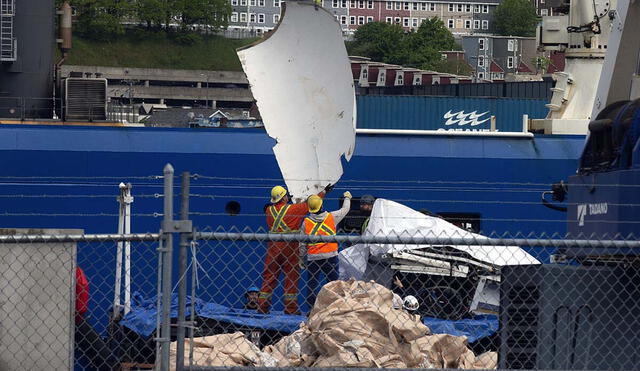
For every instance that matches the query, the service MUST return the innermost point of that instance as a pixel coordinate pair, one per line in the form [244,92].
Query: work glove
[328,188]
[347,194]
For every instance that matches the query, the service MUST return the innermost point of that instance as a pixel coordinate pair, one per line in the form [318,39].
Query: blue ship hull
[44,169]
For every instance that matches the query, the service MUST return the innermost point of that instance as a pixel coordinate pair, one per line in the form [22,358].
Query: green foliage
[157,49]
[188,38]
[541,63]
[515,18]
[100,19]
[103,19]
[389,43]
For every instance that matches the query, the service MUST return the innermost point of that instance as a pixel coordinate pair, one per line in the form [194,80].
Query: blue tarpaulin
[473,328]
[142,319]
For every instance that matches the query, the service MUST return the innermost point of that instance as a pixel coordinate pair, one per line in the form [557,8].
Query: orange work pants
[281,257]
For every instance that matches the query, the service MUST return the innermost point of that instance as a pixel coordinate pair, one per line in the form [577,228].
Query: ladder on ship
[8,45]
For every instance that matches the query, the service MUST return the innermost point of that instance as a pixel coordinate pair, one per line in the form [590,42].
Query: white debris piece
[389,218]
[301,79]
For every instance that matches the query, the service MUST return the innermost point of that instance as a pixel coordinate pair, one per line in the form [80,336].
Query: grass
[148,49]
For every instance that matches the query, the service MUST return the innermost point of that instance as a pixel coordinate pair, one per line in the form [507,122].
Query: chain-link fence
[65,303]
[396,288]
[413,298]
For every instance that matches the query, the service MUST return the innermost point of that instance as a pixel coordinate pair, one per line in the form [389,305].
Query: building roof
[495,67]
[182,117]
[523,68]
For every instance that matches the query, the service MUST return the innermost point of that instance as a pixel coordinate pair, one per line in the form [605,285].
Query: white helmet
[410,303]
[397,301]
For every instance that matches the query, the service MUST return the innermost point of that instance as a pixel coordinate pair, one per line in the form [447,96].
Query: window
[476,24]
[252,17]
[451,23]
[365,73]
[361,4]
[460,8]
[343,19]
[407,6]
[422,20]
[399,79]
[443,57]
[369,19]
[243,2]
[343,3]
[510,45]
[234,17]
[467,8]
[261,3]
[260,18]
[481,44]
[252,2]
[485,25]
[243,17]
[234,2]
[414,22]
[452,7]
[544,12]
[415,6]
[467,23]
[276,18]
[398,20]
[480,61]
[398,5]
[352,4]
[432,7]
[389,20]
[510,62]
[276,3]
[335,4]
[352,20]
[476,8]
[361,20]
[485,8]
[389,5]
[481,75]
[370,4]
[417,79]
[405,22]
[382,77]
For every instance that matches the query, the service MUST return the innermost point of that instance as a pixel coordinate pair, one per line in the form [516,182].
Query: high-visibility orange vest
[279,226]
[325,228]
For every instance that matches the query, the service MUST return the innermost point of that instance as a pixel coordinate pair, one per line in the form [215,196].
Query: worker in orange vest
[283,217]
[321,257]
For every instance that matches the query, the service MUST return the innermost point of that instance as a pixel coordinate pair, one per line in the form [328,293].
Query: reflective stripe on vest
[279,226]
[325,228]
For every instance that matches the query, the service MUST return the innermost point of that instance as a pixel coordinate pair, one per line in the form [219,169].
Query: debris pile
[353,324]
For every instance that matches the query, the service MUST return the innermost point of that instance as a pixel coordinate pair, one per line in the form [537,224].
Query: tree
[378,41]
[151,12]
[515,18]
[391,44]
[100,19]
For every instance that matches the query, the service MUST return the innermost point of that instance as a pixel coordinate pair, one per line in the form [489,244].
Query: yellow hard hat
[277,193]
[315,203]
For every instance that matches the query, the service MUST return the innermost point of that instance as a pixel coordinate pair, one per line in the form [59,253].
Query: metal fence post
[165,332]
[182,266]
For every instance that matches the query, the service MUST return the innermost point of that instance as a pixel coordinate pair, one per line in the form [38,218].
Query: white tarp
[389,218]
[301,79]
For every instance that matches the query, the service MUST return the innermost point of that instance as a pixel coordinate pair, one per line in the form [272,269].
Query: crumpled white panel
[301,79]
[392,218]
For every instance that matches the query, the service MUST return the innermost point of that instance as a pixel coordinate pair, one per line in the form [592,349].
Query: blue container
[445,113]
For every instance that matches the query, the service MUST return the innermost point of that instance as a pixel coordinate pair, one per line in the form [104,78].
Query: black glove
[328,188]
